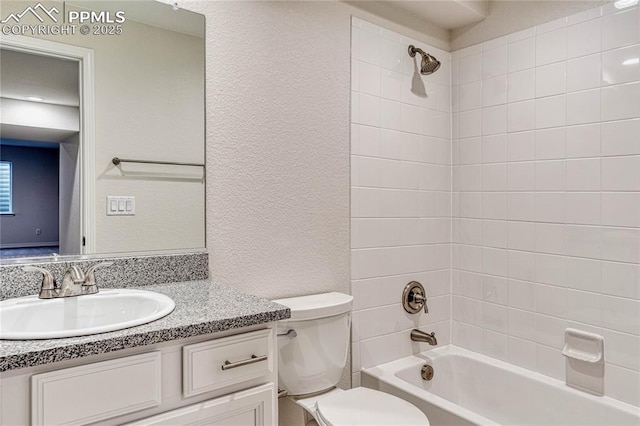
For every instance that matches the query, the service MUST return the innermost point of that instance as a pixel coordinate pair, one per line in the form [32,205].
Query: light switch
[121,205]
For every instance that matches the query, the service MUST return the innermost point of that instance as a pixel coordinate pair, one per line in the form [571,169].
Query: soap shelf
[583,346]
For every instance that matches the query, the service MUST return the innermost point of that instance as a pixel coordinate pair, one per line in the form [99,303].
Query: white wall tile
[621,279]
[621,137]
[470,68]
[583,241]
[494,344]
[583,107]
[620,102]
[521,116]
[369,79]
[494,317]
[520,206]
[521,176]
[521,353]
[551,143]
[623,384]
[471,96]
[522,295]
[587,15]
[583,73]
[520,145]
[621,65]
[520,54]
[584,307]
[551,47]
[551,206]
[391,83]
[470,123]
[621,314]
[551,79]
[621,209]
[621,244]
[551,238]
[521,265]
[494,233]
[583,141]
[551,269]
[584,274]
[522,324]
[494,120]
[521,85]
[620,29]
[583,208]
[494,148]
[621,173]
[622,349]
[494,61]
[494,177]
[494,205]
[521,236]
[551,300]
[550,175]
[551,112]
[584,38]
[583,175]
[494,91]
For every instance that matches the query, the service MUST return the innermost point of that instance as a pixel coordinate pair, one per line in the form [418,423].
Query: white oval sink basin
[29,317]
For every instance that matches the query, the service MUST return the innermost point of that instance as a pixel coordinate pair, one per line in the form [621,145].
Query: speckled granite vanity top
[202,307]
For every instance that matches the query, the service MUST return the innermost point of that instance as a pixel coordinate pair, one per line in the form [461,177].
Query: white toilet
[312,353]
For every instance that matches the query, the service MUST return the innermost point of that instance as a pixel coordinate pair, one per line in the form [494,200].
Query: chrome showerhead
[429,63]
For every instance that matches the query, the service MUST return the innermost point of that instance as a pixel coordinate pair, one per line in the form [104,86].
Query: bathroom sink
[29,317]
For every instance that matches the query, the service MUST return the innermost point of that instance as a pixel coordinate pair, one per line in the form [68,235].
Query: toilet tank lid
[317,305]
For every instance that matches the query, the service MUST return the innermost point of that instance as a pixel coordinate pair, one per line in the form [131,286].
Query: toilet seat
[367,407]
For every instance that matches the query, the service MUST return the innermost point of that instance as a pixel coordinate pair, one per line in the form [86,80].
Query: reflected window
[5,187]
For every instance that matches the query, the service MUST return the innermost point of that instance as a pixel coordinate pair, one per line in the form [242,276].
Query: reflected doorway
[40,146]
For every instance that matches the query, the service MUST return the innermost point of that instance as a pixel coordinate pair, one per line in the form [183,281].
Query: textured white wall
[278,146]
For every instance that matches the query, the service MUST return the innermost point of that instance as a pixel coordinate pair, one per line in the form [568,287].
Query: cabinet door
[251,407]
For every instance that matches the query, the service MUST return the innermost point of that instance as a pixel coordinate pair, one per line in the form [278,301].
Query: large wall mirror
[102,128]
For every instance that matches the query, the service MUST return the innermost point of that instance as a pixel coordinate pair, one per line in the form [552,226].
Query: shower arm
[413,50]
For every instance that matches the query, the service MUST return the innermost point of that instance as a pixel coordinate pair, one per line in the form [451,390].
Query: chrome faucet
[71,282]
[74,283]
[421,336]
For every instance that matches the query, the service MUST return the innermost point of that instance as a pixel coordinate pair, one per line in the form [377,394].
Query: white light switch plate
[121,205]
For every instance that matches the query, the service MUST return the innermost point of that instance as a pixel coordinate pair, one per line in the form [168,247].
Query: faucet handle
[48,287]
[414,298]
[90,277]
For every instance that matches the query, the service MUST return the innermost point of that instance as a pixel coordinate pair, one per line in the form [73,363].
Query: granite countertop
[202,307]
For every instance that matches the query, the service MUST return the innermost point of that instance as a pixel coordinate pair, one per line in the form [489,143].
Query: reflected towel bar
[116,161]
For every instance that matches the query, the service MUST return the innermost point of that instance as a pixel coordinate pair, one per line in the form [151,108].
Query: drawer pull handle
[254,358]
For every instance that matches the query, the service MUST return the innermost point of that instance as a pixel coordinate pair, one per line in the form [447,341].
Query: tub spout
[421,336]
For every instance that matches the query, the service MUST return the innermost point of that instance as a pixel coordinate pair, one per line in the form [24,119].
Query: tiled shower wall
[546,194]
[400,194]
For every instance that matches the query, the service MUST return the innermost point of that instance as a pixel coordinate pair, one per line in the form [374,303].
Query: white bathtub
[472,389]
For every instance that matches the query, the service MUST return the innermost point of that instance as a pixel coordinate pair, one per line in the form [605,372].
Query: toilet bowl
[312,354]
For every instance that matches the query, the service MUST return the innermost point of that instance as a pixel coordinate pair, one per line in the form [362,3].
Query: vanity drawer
[223,362]
[94,392]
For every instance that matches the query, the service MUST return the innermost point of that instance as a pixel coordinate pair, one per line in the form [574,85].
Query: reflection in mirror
[126,82]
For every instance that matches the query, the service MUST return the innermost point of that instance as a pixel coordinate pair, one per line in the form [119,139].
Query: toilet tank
[314,359]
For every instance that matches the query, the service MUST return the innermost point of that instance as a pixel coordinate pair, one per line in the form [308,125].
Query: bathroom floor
[27,251]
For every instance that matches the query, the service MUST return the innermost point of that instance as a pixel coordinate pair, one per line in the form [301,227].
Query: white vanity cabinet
[217,379]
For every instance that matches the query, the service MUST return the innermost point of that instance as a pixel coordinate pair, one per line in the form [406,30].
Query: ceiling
[446,14]
[53,79]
